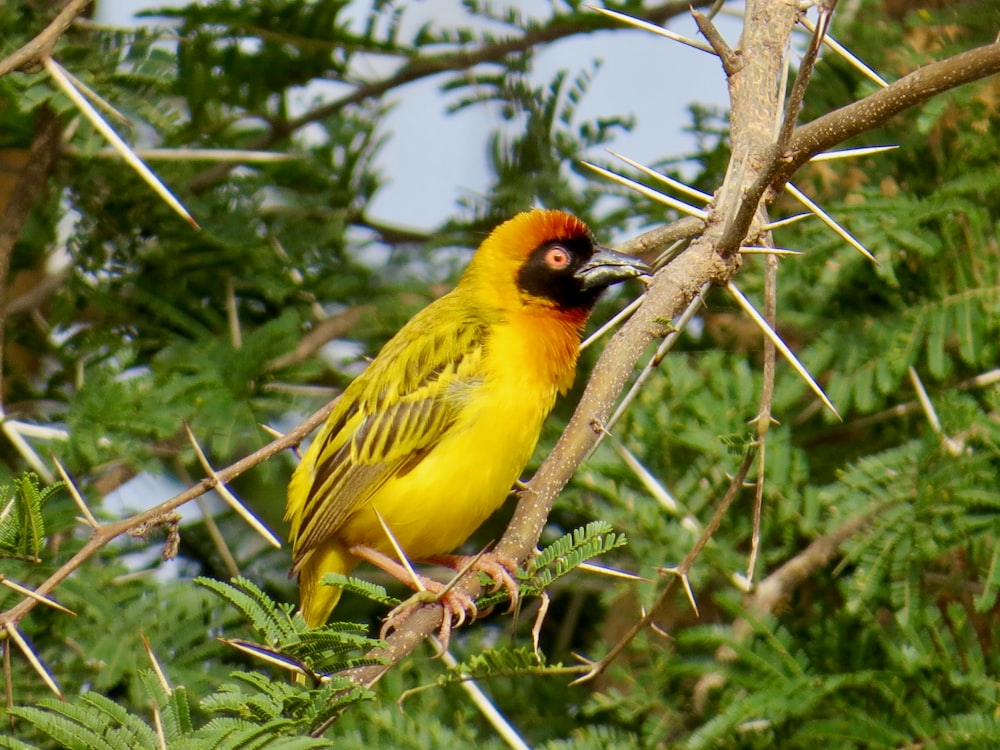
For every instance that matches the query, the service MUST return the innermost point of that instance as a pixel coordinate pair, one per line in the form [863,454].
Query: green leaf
[22,526]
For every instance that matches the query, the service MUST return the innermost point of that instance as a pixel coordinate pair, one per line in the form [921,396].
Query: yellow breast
[437,505]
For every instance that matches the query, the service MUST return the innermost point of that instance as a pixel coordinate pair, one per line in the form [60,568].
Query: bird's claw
[457,607]
[502,571]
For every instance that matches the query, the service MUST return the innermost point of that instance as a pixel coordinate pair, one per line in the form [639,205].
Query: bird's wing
[387,421]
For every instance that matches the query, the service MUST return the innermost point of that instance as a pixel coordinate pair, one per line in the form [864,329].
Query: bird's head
[549,259]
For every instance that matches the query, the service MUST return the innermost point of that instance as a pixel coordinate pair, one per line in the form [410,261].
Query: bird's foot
[458,608]
[503,571]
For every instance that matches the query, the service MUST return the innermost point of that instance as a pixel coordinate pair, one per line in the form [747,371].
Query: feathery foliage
[22,525]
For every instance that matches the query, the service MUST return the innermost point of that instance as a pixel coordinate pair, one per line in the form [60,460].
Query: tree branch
[107,532]
[875,109]
[29,57]
[781,584]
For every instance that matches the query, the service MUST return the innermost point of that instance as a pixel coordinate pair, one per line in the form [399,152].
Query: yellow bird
[428,441]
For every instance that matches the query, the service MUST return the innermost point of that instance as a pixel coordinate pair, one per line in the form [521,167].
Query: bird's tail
[317,601]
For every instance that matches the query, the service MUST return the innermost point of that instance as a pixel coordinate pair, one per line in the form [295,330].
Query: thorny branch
[874,110]
[781,584]
[160,513]
[709,259]
[29,57]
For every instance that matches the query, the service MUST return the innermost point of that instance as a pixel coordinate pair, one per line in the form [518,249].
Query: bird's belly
[437,505]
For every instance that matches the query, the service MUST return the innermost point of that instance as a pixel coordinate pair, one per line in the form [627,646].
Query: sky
[432,159]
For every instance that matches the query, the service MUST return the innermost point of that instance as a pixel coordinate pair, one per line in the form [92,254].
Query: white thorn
[648,191]
[829,221]
[781,346]
[647,26]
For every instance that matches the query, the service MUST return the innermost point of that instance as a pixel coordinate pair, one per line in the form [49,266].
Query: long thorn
[829,221]
[754,250]
[536,629]
[486,707]
[686,583]
[925,401]
[96,99]
[668,342]
[461,572]
[953,445]
[273,433]
[33,659]
[604,570]
[851,153]
[657,196]
[23,447]
[645,476]
[616,320]
[233,316]
[665,179]
[40,598]
[400,554]
[781,346]
[845,53]
[157,668]
[201,154]
[58,74]
[75,493]
[226,494]
[647,26]
[771,225]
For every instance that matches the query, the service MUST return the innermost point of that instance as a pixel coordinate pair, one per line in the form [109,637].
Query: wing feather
[387,420]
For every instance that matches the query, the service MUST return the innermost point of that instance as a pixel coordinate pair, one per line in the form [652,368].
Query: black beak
[606,267]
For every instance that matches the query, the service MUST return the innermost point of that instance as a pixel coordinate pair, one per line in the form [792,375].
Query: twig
[680,573]
[34,297]
[323,332]
[798,93]
[875,109]
[766,402]
[732,62]
[982,380]
[107,532]
[29,57]
[653,241]
[783,582]
[654,28]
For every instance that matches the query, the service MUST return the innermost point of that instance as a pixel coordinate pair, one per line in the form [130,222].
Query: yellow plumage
[434,433]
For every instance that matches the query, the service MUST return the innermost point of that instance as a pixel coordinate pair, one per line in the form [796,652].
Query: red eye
[557,258]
